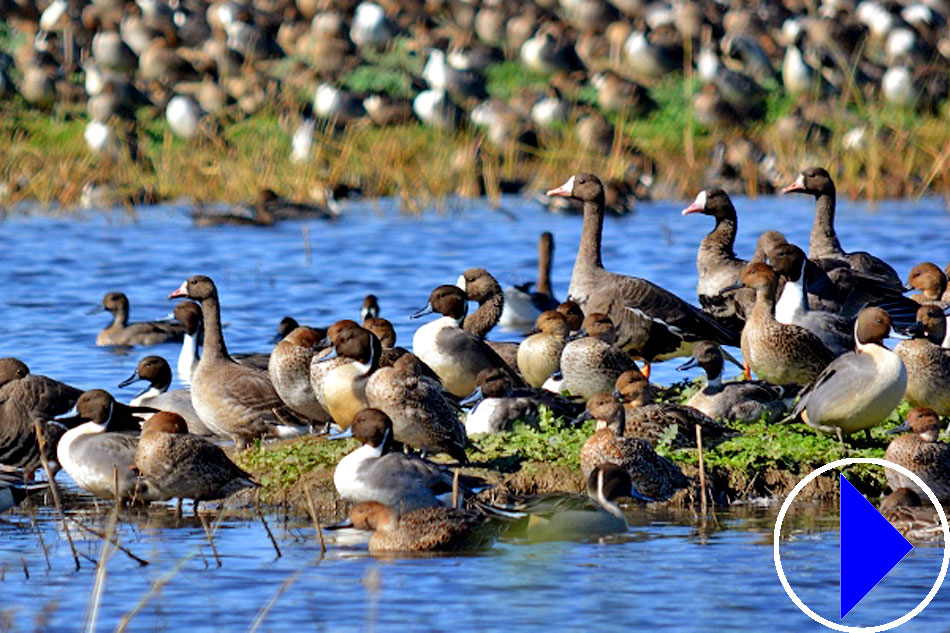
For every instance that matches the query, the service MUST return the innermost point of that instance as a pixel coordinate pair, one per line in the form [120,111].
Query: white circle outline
[848,462]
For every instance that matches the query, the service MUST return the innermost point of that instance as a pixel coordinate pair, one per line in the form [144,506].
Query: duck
[497,404]
[903,509]
[122,333]
[927,363]
[369,309]
[96,454]
[858,390]
[651,322]
[344,386]
[919,451]
[539,355]
[592,363]
[423,416]
[435,109]
[744,401]
[188,313]
[373,472]
[655,478]
[25,397]
[434,529]
[618,95]
[716,262]
[480,286]
[289,370]
[231,399]
[652,420]
[563,516]
[548,53]
[158,373]
[454,354]
[931,282]
[835,331]
[461,84]
[14,489]
[573,314]
[777,352]
[823,243]
[522,307]
[181,465]
[648,60]
[325,361]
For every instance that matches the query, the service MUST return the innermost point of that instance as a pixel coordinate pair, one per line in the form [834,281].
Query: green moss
[377,79]
[505,79]
[552,441]
[284,463]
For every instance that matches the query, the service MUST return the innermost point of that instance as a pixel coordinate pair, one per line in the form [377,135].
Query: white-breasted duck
[927,362]
[325,361]
[919,451]
[157,372]
[858,390]
[188,313]
[497,404]
[121,332]
[651,322]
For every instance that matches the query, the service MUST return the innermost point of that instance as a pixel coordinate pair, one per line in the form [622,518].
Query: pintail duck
[742,401]
[369,309]
[859,389]
[344,386]
[384,331]
[25,397]
[903,509]
[121,332]
[184,466]
[94,451]
[231,399]
[926,362]
[654,477]
[157,372]
[921,453]
[652,323]
[434,529]
[539,355]
[479,285]
[325,361]
[835,331]
[824,240]
[454,354]
[716,261]
[777,352]
[573,313]
[521,307]
[423,416]
[498,404]
[374,472]
[652,420]
[592,363]
[289,370]
[562,516]
[14,489]
[188,313]
[931,282]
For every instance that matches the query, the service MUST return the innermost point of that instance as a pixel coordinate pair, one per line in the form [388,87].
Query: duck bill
[731,287]
[477,396]
[691,363]
[899,429]
[342,435]
[96,309]
[342,525]
[421,313]
[584,417]
[796,187]
[182,291]
[908,288]
[128,381]
[329,356]
[564,191]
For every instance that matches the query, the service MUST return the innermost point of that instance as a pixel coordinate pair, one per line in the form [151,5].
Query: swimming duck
[926,362]
[742,401]
[374,472]
[94,453]
[369,309]
[777,352]
[157,372]
[903,509]
[25,397]
[184,466]
[435,529]
[654,477]
[921,453]
[231,399]
[592,363]
[716,261]
[651,322]
[539,355]
[289,371]
[859,389]
[521,307]
[824,240]
[344,386]
[498,404]
[121,332]
[13,489]
[454,354]
[931,282]
[422,415]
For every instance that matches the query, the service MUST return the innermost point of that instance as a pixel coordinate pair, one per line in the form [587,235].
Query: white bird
[184,116]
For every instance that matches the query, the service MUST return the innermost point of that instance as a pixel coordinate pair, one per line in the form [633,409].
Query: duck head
[450,301]
[370,308]
[287,325]
[872,326]
[573,313]
[383,330]
[478,284]
[599,326]
[922,421]
[707,355]
[931,324]
[758,276]
[552,323]
[165,422]
[188,313]
[95,405]
[373,428]
[928,279]
[155,370]
[633,389]
[607,411]
[12,369]
[788,260]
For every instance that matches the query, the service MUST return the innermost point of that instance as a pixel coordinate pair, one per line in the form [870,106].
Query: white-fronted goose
[926,362]
[121,332]
[157,372]
[651,322]
[232,400]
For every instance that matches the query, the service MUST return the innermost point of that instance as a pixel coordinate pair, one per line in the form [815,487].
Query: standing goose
[716,261]
[652,323]
[344,387]
[859,389]
[926,362]
[452,353]
[522,307]
[157,372]
[921,453]
[121,332]
[743,401]
[231,399]
[289,371]
[539,355]
[777,352]
[824,240]
[94,453]
[591,364]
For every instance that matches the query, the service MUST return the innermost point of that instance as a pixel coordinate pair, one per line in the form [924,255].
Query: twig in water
[214,550]
[702,470]
[95,598]
[54,489]
[270,603]
[455,488]
[39,535]
[260,515]
[26,571]
[316,521]
[141,561]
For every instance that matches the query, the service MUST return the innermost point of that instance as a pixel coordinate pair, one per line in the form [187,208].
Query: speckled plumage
[927,363]
[436,529]
[593,363]
[920,452]
[289,370]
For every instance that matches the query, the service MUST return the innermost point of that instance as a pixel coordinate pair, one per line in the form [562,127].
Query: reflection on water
[666,572]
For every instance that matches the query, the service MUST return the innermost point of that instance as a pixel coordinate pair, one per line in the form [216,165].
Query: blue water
[665,574]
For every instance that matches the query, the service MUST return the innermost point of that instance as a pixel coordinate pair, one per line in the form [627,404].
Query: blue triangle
[870,547]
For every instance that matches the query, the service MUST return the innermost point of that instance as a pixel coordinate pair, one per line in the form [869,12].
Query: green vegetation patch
[551,441]
[378,79]
[505,79]
[284,463]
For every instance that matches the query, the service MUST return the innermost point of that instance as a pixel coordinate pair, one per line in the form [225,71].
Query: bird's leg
[867,434]
[746,370]
[840,437]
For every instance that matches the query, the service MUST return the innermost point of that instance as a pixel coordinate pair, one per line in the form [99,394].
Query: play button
[870,546]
